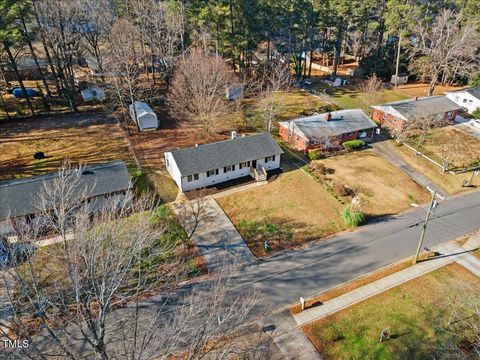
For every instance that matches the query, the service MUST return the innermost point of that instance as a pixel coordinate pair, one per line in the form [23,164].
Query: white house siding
[6,227]
[172,169]
[204,181]
[464,99]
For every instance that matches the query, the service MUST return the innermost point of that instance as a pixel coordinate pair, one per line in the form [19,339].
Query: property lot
[461,148]
[289,211]
[382,187]
[292,104]
[82,138]
[451,183]
[419,314]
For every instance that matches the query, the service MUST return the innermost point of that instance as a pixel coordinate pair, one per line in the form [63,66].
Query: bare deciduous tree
[197,95]
[273,78]
[448,47]
[372,88]
[86,301]
[192,213]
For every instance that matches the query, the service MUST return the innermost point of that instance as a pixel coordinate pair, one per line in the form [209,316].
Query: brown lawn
[466,156]
[417,312]
[452,184]
[289,211]
[82,138]
[382,188]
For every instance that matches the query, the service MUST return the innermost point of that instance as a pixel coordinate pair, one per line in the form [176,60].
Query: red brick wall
[296,142]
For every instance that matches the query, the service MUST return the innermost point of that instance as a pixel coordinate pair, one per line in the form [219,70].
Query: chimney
[328,116]
[234,135]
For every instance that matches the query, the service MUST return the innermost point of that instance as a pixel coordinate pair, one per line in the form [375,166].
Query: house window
[449,114]
[168,164]
[227,169]
[192,177]
[270,158]
[212,172]
[350,134]
[465,100]
[243,165]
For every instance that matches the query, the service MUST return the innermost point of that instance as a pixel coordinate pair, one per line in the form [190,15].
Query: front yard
[382,187]
[419,314]
[300,206]
[288,211]
[452,184]
[462,150]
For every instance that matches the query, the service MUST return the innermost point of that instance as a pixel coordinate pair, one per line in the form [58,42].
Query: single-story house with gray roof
[327,130]
[466,98]
[20,197]
[210,164]
[393,115]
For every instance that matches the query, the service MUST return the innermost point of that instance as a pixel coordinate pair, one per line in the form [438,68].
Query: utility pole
[397,67]
[433,204]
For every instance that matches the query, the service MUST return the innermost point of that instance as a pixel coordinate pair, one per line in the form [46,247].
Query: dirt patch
[86,138]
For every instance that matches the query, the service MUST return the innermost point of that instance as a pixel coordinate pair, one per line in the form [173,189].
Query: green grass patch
[418,314]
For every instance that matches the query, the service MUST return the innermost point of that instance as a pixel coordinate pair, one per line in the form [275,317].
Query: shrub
[320,169]
[342,190]
[352,217]
[315,155]
[353,144]
[476,113]
[352,214]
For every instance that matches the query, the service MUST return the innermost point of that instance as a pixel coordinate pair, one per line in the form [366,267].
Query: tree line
[134,46]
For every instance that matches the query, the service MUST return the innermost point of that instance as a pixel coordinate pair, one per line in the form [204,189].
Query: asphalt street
[322,265]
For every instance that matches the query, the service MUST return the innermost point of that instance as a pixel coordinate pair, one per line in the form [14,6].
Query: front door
[254,164]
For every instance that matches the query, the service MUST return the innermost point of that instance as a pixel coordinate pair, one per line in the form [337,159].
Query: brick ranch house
[327,131]
[393,115]
[210,164]
[19,197]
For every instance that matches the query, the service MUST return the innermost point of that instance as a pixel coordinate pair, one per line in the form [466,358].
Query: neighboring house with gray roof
[394,114]
[327,130]
[210,164]
[20,197]
[466,98]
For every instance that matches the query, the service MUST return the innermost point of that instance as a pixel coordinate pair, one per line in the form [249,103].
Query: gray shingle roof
[474,91]
[342,122]
[199,159]
[423,106]
[19,197]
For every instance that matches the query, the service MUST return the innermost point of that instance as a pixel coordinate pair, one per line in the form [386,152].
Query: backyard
[292,105]
[418,313]
[82,138]
[351,97]
[383,189]
[288,211]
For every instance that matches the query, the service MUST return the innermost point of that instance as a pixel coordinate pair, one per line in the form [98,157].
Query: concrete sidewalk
[218,240]
[289,338]
[451,252]
[385,150]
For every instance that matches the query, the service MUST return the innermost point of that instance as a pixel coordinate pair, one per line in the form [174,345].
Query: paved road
[282,280]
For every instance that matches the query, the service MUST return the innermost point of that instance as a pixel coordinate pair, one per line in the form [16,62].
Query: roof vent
[328,116]
[234,135]
[196,145]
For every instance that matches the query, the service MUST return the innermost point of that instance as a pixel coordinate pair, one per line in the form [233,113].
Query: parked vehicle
[18,93]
